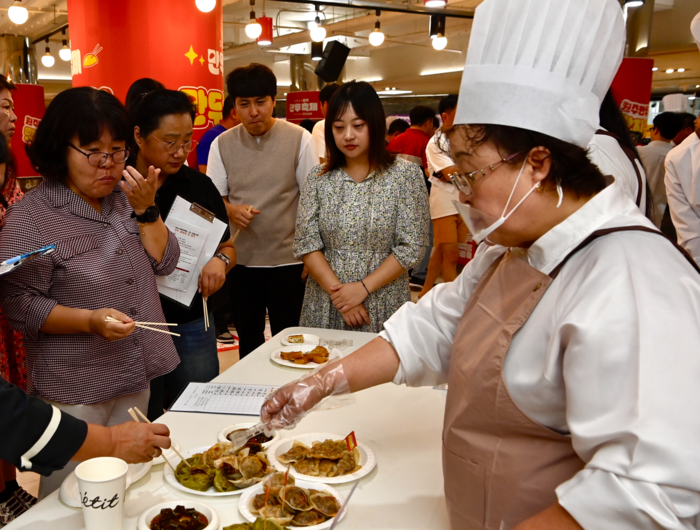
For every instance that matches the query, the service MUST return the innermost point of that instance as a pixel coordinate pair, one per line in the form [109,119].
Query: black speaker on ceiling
[331,64]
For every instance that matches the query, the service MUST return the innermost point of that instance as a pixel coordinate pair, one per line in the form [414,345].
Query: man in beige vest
[260,167]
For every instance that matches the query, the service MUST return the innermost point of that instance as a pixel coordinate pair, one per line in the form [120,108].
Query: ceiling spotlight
[265,38]
[253,29]
[437,25]
[64,52]
[205,5]
[681,70]
[316,51]
[47,59]
[376,38]
[440,42]
[634,3]
[318,33]
[654,69]
[434,3]
[18,13]
[670,71]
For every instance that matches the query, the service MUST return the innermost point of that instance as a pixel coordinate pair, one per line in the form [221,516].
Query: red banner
[29,107]
[303,106]
[115,43]
[631,89]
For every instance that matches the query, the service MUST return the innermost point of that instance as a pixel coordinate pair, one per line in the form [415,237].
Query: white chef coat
[319,135]
[606,153]
[441,193]
[683,192]
[653,157]
[609,355]
[308,158]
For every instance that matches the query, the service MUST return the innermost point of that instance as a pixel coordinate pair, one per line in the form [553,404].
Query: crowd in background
[335,221]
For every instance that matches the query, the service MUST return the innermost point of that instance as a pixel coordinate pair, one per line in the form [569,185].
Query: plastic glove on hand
[289,404]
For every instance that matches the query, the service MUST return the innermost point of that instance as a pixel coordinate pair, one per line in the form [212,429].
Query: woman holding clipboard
[163,126]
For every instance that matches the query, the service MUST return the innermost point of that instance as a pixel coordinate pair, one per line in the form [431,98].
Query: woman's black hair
[368,107]
[140,88]
[154,106]
[85,113]
[571,168]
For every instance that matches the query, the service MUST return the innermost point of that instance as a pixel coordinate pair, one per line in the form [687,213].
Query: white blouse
[611,355]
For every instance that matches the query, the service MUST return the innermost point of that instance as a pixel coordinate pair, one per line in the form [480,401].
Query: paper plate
[309,340]
[221,437]
[144,522]
[169,477]
[70,490]
[247,497]
[275,356]
[367,458]
[172,455]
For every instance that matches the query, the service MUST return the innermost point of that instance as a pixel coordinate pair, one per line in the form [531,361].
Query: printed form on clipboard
[199,233]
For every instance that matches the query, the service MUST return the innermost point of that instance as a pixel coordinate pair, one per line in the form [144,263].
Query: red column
[115,43]
[631,89]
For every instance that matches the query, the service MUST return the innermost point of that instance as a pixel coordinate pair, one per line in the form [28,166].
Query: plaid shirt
[99,262]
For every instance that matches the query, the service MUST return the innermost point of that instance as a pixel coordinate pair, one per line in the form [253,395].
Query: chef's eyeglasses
[174,147]
[464,181]
[100,159]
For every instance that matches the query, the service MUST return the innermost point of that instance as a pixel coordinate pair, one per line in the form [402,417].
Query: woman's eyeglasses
[100,159]
[464,181]
[174,147]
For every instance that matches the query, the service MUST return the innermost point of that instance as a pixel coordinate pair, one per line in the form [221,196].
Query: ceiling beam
[417,9]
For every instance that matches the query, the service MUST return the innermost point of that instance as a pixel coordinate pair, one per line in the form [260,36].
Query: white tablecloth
[401,425]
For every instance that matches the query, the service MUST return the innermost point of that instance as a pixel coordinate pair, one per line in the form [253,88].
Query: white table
[401,425]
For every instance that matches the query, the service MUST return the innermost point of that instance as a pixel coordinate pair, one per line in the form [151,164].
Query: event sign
[631,89]
[303,106]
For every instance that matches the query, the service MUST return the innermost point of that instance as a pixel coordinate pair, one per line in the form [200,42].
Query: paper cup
[102,482]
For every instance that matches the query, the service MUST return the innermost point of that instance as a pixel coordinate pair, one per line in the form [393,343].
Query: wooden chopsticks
[135,410]
[144,326]
[238,232]
[204,304]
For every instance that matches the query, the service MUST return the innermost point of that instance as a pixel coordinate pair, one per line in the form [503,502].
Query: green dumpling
[199,479]
[239,526]
[222,483]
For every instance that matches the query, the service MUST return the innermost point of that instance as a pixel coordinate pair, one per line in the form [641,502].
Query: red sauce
[180,518]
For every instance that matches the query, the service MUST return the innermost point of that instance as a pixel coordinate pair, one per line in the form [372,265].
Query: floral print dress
[357,226]
[13,367]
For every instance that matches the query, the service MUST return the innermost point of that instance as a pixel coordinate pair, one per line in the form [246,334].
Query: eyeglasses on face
[465,181]
[174,147]
[100,159]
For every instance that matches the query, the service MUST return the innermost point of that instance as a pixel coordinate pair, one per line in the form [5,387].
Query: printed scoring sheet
[223,398]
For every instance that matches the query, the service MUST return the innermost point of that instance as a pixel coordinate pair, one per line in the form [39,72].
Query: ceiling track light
[633,3]
[318,32]
[434,3]
[376,38]
[47,59]
[253,29]
[437,25]
[18,13]
[265,38]
[316,51]
[64,52]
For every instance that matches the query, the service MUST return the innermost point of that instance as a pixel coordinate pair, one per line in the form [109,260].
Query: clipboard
[199,233]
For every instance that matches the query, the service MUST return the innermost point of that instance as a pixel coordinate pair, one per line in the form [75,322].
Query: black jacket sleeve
[23,420]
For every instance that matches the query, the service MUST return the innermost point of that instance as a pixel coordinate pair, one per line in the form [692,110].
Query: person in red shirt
[411,144]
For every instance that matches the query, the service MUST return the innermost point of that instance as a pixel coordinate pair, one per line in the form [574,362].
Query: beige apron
[499,465]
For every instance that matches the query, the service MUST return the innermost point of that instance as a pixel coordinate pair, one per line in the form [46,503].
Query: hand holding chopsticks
[133,412]
[144,326]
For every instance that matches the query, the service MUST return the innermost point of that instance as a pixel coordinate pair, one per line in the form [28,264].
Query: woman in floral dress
[362,220]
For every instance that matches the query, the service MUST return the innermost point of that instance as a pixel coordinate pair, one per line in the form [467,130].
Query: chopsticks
[135,410]
[204,304]
[238,232]
[143,325]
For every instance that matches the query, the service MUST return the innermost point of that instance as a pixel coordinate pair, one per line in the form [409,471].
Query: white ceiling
[402,61]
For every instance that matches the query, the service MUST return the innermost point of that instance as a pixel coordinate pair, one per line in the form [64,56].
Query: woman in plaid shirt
[104,265]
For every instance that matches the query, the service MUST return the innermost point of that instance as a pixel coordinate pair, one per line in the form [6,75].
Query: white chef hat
[675,103]
[695,29]
[542,65]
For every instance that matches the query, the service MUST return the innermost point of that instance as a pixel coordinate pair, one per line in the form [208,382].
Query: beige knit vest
[264,174]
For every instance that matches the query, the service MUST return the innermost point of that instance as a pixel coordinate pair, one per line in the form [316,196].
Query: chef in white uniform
[570,343]
[683,182]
